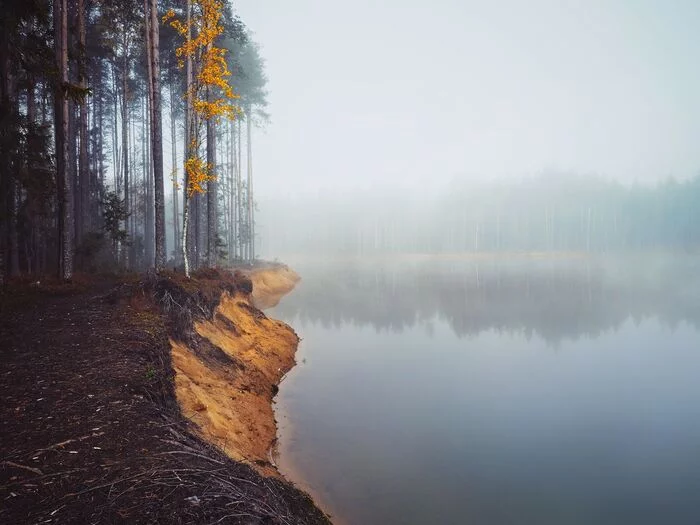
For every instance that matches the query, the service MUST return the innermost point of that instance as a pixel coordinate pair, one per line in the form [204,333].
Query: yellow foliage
[210,61]
[198,174]
[210,76]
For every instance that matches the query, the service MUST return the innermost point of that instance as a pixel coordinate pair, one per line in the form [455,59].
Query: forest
[126,135]
[549,212]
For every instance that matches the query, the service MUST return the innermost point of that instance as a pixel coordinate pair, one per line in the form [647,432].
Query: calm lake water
[496,391]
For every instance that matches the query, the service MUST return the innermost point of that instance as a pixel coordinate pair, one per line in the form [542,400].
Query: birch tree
[209,95]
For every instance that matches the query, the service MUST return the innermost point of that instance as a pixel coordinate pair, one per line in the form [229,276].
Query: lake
[495,390]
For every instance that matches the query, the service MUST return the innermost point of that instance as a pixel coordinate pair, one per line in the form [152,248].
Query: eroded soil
[230,399]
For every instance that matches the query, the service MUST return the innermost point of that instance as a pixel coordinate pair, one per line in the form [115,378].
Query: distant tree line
[94,109]
[550,213]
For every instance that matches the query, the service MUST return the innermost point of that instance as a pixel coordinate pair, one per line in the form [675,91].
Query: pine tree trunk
[84,173]
[234,190]
[73,133]
[13,239]
[157,140]
[63,179]
[251,211]
[211,191]
[100,150]
[176,199]
[239,196]
[8,167]
[232,193]
[149,208]
[116,154]
[148,215]
[125,153]
[31,240]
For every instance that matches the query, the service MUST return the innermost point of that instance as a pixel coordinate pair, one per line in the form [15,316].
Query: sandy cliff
[227,391]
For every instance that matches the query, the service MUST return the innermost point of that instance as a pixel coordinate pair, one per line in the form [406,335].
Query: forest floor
[91,431]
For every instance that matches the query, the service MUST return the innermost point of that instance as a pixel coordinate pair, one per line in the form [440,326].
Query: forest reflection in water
[427,390]
[552,297]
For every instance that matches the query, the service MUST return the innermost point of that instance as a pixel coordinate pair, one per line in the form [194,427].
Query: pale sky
[399,91]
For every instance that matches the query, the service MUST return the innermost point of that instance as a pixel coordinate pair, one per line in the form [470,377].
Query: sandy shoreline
[232,404]
[291,472]
[229,397]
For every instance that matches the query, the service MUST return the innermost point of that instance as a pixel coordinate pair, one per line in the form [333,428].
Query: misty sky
[376,92]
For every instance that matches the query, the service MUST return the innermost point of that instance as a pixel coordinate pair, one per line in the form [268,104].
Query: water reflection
[431,394]
[554,299]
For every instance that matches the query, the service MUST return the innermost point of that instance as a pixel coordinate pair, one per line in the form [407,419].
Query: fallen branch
[63,443]
[17,465]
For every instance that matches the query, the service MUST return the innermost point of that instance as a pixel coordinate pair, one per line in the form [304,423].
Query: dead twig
[67,441]
[17,465]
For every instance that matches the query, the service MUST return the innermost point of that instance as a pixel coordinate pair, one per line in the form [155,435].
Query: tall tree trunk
[195,204]
[211,191]
[8,159]
[116,156]
[125,150]
[73,163]
[63,180]
[5,162]
[196,234]
[185,220]
[188,147]
[84,173]
[157,138]
[148,215]
[100,149]
[232,193]
[149,235]
[176,199]
[13,239]
[251,206]
[239,196]
[32,222]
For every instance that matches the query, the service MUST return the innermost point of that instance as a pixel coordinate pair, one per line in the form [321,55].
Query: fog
[554,212]
[422,94]
[493,207]
[481,219]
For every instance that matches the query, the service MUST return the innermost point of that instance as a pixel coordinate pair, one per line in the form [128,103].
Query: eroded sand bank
[229,399]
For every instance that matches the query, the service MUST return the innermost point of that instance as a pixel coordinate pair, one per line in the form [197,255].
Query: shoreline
[237,412]
[292,473]
[227,376]
[270,285]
